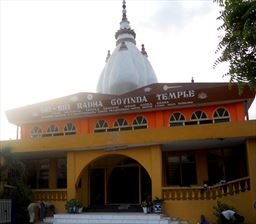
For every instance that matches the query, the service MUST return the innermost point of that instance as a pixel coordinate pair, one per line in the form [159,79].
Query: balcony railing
[207,193]
[50,194]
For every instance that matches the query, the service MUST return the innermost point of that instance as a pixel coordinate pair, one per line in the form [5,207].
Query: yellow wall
[134,138]
[191,210]
[149,157]
[83,149]
[59,206]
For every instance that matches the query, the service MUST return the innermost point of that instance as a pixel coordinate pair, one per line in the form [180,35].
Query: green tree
[11,169]
[12,178]
[238,44]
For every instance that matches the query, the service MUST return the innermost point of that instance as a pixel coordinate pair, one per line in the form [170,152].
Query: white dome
[127,68]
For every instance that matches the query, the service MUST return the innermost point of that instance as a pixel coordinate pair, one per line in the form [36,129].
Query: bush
[73,202]
[219,208]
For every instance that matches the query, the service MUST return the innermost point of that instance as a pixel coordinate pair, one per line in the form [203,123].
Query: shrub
[219,208]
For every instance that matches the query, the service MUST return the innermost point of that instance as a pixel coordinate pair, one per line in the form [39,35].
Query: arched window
[177,119]
[139,122]
[101,126]
[199,117]
[36,132]
[221,115]
[120,125]
[53,131]
[70,129]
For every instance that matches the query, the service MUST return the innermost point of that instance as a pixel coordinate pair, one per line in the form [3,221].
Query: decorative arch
[150,158]
[221,114]
[52,130]
[101,126]
[117,168]
[83,159]
[139,122]
[36,132]
[121,124]
[177,119]
[70,129]
[200,117]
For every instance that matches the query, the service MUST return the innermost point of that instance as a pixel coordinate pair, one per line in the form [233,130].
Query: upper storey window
[199,117]
[139,122]
[221,115]
[101,126]
[177,119]
[120,125]
[53,131]
[36,132]
[70,129]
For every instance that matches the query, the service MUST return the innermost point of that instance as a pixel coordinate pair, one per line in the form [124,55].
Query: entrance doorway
[97,189]
[123,185]
[117,180]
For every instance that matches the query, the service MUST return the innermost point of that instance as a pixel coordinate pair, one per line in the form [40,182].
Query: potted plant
[72,205]
[144,206]
[157,205]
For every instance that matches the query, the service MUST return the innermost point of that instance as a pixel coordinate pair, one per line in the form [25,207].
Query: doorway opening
[116,181]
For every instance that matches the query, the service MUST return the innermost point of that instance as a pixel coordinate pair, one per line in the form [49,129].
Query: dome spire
[125,33]
[124,18]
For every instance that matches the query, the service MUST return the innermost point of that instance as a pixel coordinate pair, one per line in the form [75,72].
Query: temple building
[191,144]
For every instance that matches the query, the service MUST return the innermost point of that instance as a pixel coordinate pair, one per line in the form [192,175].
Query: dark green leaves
[238,44]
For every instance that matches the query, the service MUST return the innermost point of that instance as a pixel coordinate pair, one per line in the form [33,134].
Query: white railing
[207,193]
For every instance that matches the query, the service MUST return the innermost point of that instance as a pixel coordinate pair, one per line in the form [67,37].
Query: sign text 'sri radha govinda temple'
[137,139]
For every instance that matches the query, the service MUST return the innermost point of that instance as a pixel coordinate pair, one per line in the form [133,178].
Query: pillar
[251,157]
[71,174]
[156,171]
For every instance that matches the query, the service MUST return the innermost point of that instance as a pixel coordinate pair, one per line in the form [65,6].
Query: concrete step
[112,218]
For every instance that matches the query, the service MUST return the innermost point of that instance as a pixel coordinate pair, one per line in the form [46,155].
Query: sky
[55,48]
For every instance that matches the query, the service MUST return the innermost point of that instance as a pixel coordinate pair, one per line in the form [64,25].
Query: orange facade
[155,119]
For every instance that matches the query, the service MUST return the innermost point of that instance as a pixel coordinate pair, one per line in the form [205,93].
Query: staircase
[114,208]
[113,218]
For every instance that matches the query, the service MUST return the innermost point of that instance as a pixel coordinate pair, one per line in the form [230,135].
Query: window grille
[177,119]
[36,132]
[101,126]
[221,115]
[139,122]
[70,129]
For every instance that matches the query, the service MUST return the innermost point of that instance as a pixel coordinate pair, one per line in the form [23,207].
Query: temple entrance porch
[114,183]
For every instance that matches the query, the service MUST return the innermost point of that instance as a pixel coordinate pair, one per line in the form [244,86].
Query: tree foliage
[11,166]
[238,44]
[13,175]
[12,172]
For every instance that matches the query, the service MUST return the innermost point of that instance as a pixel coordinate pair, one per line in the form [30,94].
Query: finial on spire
[124,18]
[143,51]
[125,32]
[108,56]
[192,80]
